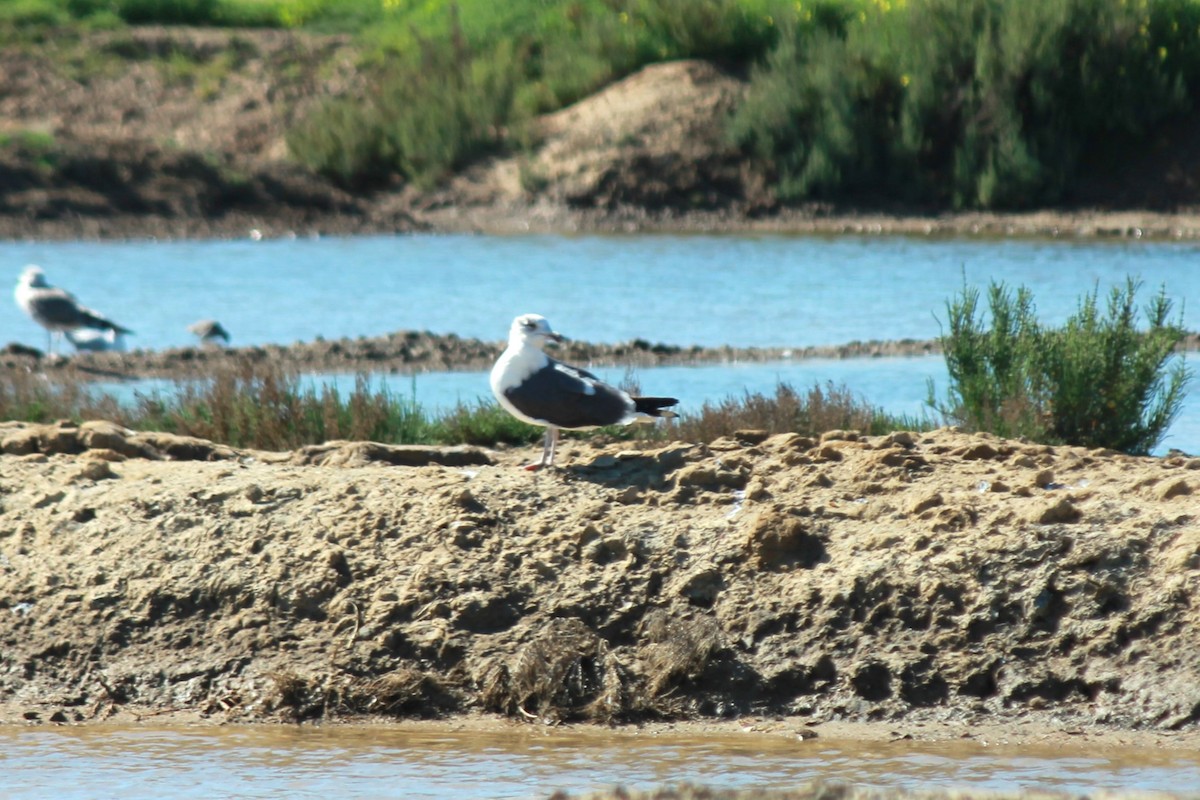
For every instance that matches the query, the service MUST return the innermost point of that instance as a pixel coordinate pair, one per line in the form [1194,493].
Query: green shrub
[968,103]
[1109,384]
[32,14]
[994,385]
[1098,381]
[433,110]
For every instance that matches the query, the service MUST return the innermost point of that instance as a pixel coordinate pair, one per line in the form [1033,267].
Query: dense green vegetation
[954,103]
[1098,381]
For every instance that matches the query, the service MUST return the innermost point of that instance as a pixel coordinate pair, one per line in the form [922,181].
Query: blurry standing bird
[209,331]
[540,390]
[55,309]
[91,340]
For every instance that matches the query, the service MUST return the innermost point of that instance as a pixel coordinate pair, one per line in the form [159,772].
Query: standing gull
[209,331]
[540,390]
[55,309]
[93,340]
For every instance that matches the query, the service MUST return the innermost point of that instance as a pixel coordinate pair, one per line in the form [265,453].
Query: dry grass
[566,673]
[791,411]
[264,406]
[404,692]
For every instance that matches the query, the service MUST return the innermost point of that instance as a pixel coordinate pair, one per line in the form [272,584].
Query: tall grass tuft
[1098,381]
[790,410]
[484,423]
[262,406]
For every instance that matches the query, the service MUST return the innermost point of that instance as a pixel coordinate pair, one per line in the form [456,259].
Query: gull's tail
[92,319]
[655,406]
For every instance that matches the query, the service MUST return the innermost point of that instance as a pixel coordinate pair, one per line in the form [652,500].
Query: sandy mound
[943,577]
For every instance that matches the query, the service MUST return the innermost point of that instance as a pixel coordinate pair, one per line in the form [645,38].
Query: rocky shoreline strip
[422,351]
[416,351]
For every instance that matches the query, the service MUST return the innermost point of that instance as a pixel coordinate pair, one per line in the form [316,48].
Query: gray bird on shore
[209,331]
[92,340]
[540,390]
[57,310]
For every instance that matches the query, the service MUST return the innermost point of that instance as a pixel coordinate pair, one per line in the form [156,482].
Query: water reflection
[530,762]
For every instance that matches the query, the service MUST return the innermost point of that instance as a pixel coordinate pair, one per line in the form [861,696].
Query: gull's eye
[529,325]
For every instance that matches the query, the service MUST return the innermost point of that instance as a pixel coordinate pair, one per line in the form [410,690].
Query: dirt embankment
[175,132]
[944,578]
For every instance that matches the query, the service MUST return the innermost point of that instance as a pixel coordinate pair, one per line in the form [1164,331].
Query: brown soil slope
[941,577]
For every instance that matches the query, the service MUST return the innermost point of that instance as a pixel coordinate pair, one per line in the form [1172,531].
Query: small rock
[701,586]
[1176,488]
[829,453]
[20,443]
[979,452]
[927,502]
[606,550]
[103,454]
[839,436]
[628,496]
[901,438]
[791,441]
[95,470]
[780,540]
[1062,510]
[751,437]
[1044,479]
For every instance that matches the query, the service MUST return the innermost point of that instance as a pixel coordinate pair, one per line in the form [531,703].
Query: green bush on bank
[1098,381]
[966,103]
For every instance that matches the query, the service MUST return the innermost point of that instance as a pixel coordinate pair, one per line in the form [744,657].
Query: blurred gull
[209,331]
[56,310]
[91,340]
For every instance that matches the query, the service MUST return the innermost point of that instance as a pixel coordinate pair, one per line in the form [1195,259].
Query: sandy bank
[941,579]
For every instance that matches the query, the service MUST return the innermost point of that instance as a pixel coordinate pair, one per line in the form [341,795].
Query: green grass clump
[1098,381]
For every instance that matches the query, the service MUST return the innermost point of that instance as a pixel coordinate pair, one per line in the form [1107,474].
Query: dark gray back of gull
[63,312]
[557,394]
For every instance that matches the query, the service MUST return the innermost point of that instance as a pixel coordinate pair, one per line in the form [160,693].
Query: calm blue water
[709,290]
[268,761]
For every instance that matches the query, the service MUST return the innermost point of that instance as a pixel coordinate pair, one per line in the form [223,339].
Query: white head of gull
[540,390]
[57,310]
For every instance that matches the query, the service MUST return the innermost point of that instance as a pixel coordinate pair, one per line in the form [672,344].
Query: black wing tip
[654,406]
